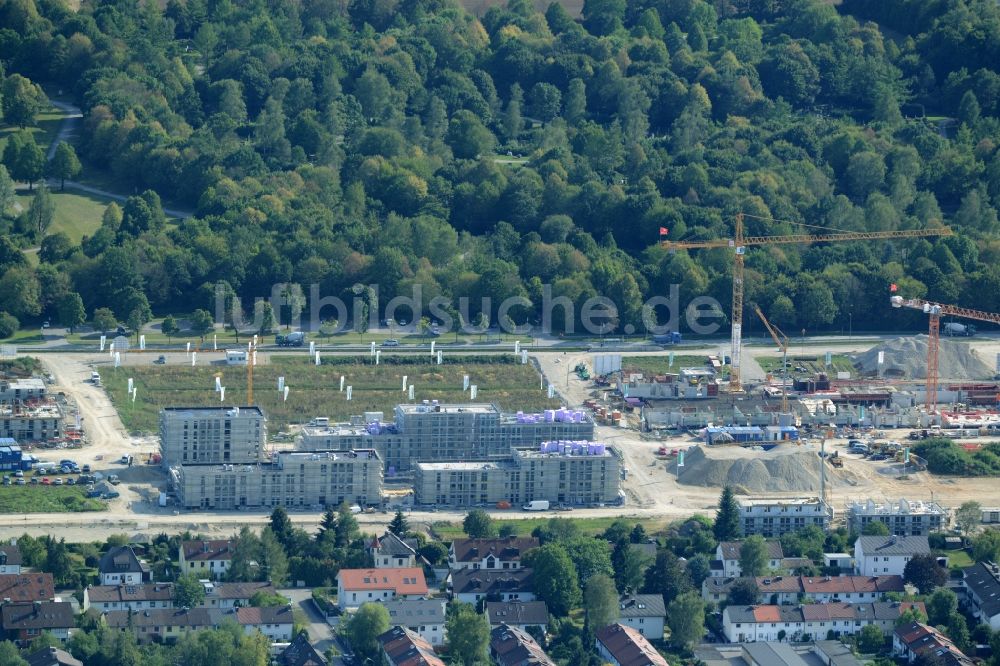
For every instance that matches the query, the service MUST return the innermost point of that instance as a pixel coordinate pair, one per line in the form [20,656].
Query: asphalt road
[320,633]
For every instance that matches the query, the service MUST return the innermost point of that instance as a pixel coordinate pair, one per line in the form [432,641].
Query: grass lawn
[659,365]
[957,559]
[45,130]
[447,531]
[78,214]
[812,363]
[315,391]
[46,499]
[31,335]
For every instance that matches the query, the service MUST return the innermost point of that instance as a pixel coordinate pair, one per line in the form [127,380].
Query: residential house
[206,558]
[471,585]
[426,617]
[782,590]
[357,586]
[620,645]
[161,595]
[10,559]
[23,622]
[402,647]
[275,622]
[521,615]
[500,553]
[728,554]
[982,592]
[842,561]
[120,565]
[510,646]
[744,624]
[168,624]
[879,555]
[128,597]
[300,652]
[27,587]
[919,641]
[391,552]
[233,595]
[52,656]
[771,654]
[645,613]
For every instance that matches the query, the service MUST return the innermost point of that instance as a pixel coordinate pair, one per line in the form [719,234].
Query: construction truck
[835,460]
[581,371]
[671,338]
[956,329]
[296,339]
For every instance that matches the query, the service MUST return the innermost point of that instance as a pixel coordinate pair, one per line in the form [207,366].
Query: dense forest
[402,142]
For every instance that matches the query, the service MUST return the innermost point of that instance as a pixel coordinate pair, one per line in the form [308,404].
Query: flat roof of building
[903,506]
[466,408]
[776,501]
[252,409]
[471,466]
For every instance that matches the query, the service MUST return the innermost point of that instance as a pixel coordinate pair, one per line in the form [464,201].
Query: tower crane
[739,243]
[782,341]
[934,312]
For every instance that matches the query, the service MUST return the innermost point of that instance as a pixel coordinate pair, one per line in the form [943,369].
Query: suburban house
[620,645]
[357,586]
[500,553]
[916,640]
[425,617]
[168,624]
[52,656]
[391,552]
[128,597]
[982,592]
[881,555]
[23,622]
[161,595]
[471,585]
[744,624]
[520,615]
[300,652]
[727,558]
[510,646]
[27,587]
[402,647]
[645,613]
[121,566]
[10,559]
[782,590]
[206,558]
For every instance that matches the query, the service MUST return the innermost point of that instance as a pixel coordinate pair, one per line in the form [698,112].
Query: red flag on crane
[893,287]
[663,231]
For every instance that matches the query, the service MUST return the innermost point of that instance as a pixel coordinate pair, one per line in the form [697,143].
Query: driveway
[320,633]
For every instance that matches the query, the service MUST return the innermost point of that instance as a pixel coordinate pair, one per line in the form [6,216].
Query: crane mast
[934,312]
[782,343]
[739,243]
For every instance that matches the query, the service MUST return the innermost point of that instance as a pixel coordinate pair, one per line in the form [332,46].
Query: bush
[8,325]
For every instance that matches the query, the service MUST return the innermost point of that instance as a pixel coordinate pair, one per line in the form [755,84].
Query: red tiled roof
[629,647]
[27,587]
[767,614]
[408,580]
[203,549]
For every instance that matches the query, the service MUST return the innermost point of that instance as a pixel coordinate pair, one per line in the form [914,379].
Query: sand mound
[907,357]
[786,468]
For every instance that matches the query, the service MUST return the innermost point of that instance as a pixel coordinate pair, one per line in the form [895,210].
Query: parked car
[19,474]
[161,360]
[6,481]
[57,482]
[46,481]
[71,481]
[34,481]
[391,342]
[21,482]
[86,469]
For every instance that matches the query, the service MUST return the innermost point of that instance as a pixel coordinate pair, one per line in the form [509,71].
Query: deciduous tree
[600,601]
[468,635]
[686,618]
[924,572]
[65,164]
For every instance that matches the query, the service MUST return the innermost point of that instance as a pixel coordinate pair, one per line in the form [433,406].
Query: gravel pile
[785,468]
[907,358]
